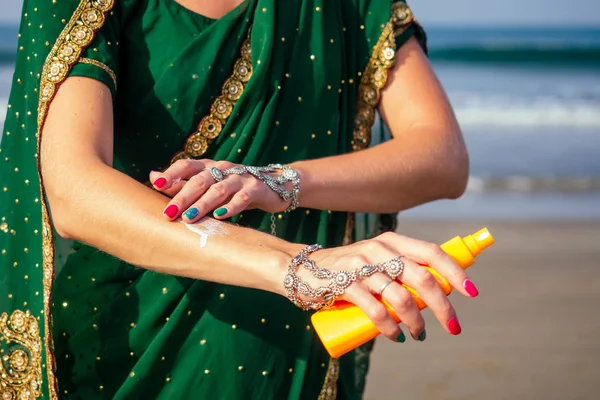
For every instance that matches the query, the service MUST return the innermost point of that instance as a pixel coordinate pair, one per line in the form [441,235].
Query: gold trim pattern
[210,127]
[87,19]
[374,79]
[20,366]
[376,74]
[101,65]
[329,390]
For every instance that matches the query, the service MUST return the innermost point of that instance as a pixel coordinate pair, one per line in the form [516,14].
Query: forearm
[116,214]
[389,177]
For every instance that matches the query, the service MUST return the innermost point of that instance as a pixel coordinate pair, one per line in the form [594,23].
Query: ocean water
[528,102]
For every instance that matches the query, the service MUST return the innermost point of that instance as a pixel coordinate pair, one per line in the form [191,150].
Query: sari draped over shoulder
[271,81]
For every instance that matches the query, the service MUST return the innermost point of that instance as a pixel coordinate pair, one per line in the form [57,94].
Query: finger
[188,195]
[401,301]
[238,203]
[175,188]
[360,295]
[180,169]
[431,293]
[429,254]
[218,194]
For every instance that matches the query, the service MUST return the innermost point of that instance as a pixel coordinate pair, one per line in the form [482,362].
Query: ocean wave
[7,56]
[528,184]
[534,54]
[509,110]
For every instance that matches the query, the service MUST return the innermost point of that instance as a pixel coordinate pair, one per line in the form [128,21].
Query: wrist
[306,182]
[282,258]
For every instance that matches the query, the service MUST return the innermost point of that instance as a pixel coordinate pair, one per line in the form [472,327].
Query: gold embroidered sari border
[20,368]
[211,126]
[375,75]
[78,33]
[102,66]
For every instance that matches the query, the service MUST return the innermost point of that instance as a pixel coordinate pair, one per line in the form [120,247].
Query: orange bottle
[343,326]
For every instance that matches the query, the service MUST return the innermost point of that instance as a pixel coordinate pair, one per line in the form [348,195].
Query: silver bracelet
[339,281]
[289,174]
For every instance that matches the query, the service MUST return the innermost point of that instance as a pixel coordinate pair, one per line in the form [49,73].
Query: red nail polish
[171,211]
[470,288]
[160,183]
[454,326]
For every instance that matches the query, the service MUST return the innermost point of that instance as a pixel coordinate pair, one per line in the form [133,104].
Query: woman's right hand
[412,252]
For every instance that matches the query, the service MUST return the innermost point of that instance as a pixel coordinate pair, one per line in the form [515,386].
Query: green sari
[266,83]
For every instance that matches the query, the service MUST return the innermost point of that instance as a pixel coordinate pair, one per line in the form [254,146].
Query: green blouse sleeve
[415,29]
[100,60]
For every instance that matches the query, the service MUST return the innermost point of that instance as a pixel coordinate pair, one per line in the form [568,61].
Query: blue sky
[453,12]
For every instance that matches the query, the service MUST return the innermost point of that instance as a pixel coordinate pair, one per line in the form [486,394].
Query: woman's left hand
[195,193]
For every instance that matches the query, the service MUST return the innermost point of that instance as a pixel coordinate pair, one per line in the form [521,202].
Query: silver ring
[217,174]
[384,286]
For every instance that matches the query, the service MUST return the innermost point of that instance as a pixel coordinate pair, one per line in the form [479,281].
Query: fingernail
[191,213]
[470,288]
[171,211]
[160,182]
[220,212]
[422,335]
[454,326]
[401,338]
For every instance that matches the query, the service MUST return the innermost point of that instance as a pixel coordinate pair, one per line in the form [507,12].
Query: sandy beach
[533,333]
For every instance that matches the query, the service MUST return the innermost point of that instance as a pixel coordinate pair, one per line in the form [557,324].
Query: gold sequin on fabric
[20,356]
[88,17]
[210,127]
[375,76]
[329,390]
[101,65]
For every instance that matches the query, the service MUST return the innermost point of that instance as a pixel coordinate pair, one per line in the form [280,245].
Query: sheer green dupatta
[26,238]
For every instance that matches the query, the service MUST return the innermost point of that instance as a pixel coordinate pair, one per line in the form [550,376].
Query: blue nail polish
[191,213]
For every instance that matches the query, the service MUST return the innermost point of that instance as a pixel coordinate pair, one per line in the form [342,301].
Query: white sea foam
[480,110]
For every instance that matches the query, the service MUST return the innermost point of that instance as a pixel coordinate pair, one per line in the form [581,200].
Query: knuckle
[244,197]
[223,164]
[372,246]
[184,163]
[424,279]
[255,184]
[358,261]
[220,190]
[445,308]
[377,313]
[404,301]
[388,236]
[198,182]
[435,251]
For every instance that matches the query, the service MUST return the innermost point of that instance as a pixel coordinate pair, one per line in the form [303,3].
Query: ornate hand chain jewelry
[274,183]
[324,296]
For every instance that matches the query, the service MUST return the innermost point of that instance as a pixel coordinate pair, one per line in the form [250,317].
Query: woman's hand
[384,248]
[195,192]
